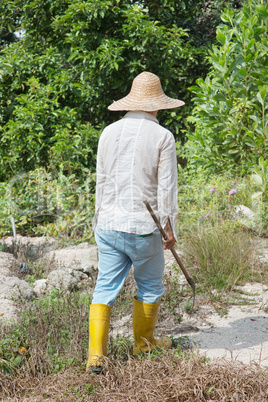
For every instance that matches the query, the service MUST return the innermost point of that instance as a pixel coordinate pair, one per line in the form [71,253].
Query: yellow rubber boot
[99,321]
[144,319]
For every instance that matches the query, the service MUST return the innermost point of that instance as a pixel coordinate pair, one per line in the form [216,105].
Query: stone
[80,258]
[40,287]
[15,288]
[10,288]
[244,212]
[31,248]
[62,279]
[264,256]
[8,263]
[80,276]
[8,310]
[245,216]
[122,327]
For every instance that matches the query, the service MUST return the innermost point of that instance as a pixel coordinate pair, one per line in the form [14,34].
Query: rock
[7,263]
[245,216]
[30,247]
[264,256]
[15,288]
[244,211]
[122,327]
[80,276]
[8,310]
[40,287]
[11,288]
[62,279]
[82,258]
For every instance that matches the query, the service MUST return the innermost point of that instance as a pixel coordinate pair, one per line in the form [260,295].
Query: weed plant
[174,294]
[51,335]
[223,257]
[214,200]
[36,270]
[164,377]
[120,348]
[3,248]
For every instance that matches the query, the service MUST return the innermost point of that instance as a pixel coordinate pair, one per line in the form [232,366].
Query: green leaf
[7,66]
[261,162]
[249,57]
[260,98]
[262,9]
[243,72]
[10,27]
[257,195]
[251,43]
[221,37]
[195,89]
[17,361]
[257,179]
[263,92]
[219,97]
[255,118]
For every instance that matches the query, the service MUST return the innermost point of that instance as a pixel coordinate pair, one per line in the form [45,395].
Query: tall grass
[222,257]
[51,335]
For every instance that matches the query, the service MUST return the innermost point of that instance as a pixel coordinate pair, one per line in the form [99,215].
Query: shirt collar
[141,115]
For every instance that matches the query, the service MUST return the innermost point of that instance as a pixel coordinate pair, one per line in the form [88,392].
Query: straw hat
[146,94]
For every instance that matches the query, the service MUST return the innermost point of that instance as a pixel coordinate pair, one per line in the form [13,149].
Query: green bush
[231,103]
[73,60]
[41,203]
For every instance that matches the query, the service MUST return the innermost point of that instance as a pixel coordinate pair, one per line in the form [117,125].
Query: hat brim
[148,105]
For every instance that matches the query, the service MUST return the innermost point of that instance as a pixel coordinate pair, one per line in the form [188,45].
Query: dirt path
[241,334]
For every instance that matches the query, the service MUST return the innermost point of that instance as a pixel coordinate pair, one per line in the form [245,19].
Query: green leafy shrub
[42,203]
[260,197]
[231,103]
[10,355]
[73,60]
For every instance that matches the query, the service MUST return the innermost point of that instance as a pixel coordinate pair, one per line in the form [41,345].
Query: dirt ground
[239,334]
[234,339]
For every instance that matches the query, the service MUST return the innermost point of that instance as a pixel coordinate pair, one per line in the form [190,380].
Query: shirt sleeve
[99,182]
[167,194]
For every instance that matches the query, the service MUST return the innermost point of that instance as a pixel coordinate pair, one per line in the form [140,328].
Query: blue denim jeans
[117,252]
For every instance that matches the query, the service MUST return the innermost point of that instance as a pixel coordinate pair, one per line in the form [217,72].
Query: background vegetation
[73,58]
[62,62]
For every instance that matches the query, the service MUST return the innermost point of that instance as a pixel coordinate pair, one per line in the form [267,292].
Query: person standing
[136,161]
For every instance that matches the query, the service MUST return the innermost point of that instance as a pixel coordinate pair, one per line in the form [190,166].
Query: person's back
[135,158]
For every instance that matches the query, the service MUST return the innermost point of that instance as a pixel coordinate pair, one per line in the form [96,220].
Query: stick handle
[189,280]
[158,224]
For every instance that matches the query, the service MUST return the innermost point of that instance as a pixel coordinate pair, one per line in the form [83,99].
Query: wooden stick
[177,258]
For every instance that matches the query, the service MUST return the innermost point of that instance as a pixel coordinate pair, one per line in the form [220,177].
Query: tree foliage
[76,56]
[232,102]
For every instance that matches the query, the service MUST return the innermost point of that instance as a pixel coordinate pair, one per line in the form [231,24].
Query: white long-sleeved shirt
[136,161]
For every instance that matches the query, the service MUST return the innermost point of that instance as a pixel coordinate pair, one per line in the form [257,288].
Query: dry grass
[167,377]
[223,258]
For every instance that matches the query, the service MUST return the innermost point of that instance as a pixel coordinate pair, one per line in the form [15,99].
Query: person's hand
[170,241]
